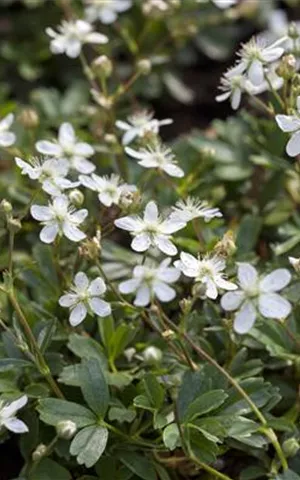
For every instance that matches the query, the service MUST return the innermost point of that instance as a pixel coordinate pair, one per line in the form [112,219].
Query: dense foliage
[149,295]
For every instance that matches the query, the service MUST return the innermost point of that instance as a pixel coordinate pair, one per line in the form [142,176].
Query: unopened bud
[91,247]
[39,452]
[152,355]
[293,31]
[186,305]
[102,66]
[287,67]
[226,247]
[144,66]
[14,225]
[29,118]
[290,447]
[129,198]
[66,429]
[295,262]
[6,206]
[76,198]
[110,138]
[129,353]
[102,100]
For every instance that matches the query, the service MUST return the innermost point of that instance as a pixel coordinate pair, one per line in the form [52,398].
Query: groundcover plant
[149,294]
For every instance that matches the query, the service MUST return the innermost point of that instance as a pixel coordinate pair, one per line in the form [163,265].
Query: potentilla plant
[149,311]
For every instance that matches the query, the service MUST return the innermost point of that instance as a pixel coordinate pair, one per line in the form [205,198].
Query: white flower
[85,296]
[139,124]
[109,188]
[151,230]
[223,3]
[7,138]
[257,295]
[255,56]
[71,36]
[68,148]
[8,417]
[208,271]
[106,10]
[157,156]
[232,86]
[59,218]
[291,124]
[187,210]
[150,281]
[49,172]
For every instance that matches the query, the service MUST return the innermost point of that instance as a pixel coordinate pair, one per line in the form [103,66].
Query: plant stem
[41,363]
[204,355]
[210,469]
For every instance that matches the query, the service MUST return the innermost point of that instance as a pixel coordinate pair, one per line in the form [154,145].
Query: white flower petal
[225,284]
[211,289]
[272,305]
[66,136]
[163,292]
[97,287]
[100,307]
[122,125]
[40,213]
[135,153]
[49,148]
[245,318]
[275,281]
[68,300]
[10,409]
[288,123]
[169,275]
[129,286]
[6,122]
[81,281]
[272,54]
[129,223]
[236,98]
[143,296]
[48,233]
[83,149]
[129,136]
[79,216]
[256,73]
[151,212]
[165,245]
[141,242]
[293,145]
[15,425]
[73,48]
[82,165]
[232,300]
[7,139]
[247,275]
[172,225]
[78,314]
[173,170]
[73,233]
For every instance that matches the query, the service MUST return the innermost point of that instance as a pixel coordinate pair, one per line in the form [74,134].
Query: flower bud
[287,67]
[144,66]
[295,262]
[152,355]
[39,452]
[129,353]
[14,225]
[91,247]
[29,118]
[290,447]
[76,198]
[186,305]
[226,247]
[6,206]
[129,199]
[110,138]
[293,31]
[66,429]
[102,66]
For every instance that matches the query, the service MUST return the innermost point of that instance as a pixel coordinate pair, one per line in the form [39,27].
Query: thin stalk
[10,252]
[210,469]
[204,355]
[43,367]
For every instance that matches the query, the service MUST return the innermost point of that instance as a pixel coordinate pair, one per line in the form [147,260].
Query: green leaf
[47,469]
[288,475]
[248,233]
[85,347]
[154,390]
[94,386]
[205,403]
[121,414]
[139,465]
[171,436]
[52,411]
[89,444]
